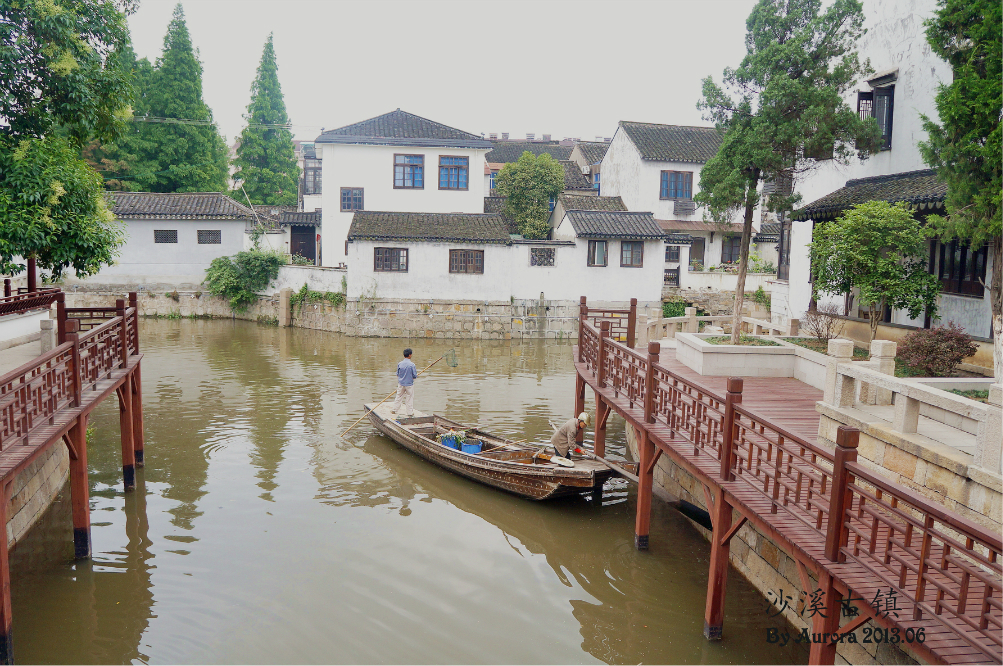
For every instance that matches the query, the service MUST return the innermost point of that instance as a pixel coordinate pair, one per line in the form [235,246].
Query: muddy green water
[258,535]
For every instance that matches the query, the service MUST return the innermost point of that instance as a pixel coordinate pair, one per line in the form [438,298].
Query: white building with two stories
[396,162]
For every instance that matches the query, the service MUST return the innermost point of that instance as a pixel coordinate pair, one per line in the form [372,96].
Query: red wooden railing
[32,395]
[26,302]
[947,566]
[623,323]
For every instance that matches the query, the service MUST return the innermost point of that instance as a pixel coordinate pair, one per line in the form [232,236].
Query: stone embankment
[393,318]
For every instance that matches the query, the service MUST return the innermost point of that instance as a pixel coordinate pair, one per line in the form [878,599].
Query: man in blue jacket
[407,372]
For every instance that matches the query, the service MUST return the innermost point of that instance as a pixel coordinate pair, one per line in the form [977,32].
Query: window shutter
[883,103]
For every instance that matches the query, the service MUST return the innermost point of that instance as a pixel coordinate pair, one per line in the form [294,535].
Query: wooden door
[303,241]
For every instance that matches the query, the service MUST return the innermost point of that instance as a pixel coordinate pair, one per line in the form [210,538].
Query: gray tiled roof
[920,188]
[430,227]
[592,151]
[178,206]
[574,179]
[621,224]
[572,202]
[296,217]
[673,143]
[504,152]
[400,128]
[769,232]
[497,205]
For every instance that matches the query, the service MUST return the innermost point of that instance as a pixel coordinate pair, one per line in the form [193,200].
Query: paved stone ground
[15,357]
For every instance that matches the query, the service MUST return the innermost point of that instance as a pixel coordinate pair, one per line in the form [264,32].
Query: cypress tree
[192,155]
[266,159]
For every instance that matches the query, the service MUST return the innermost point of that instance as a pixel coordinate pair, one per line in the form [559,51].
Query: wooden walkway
[47,402]
[926,575]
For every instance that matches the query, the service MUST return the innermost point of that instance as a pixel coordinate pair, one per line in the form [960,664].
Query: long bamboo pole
[390,395]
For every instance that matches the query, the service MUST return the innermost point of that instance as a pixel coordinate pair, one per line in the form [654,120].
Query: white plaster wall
[21,325]
[372,168]
[312,202]
[142,261]
[315,278]
[621,172]
[895,38]
[272,240]
[428,275]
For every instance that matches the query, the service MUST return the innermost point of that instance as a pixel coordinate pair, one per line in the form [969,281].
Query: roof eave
[473,144]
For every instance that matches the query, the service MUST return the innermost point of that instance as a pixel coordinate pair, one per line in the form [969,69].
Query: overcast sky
[568,69]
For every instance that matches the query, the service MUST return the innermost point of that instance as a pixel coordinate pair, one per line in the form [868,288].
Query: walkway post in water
[6,617]
[138,438]
[125,416]
[721,514]
[76,443]
[646,446]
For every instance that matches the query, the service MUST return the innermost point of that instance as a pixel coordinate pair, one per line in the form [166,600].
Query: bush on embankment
[240,277]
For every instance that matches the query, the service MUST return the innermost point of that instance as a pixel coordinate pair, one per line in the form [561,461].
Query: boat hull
[532,481]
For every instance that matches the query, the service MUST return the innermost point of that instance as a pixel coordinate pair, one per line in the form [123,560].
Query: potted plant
[453,439]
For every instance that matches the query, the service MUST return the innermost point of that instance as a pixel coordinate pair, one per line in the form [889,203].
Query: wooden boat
[502,464]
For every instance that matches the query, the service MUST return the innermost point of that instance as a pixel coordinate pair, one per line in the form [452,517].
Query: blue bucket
[450,442]
[472,448]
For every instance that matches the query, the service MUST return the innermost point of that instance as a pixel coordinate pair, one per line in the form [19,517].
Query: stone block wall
[935,470]
[764,564]
[34,489]
[393,318]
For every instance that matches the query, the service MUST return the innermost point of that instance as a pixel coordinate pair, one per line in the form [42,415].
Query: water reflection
[260,535]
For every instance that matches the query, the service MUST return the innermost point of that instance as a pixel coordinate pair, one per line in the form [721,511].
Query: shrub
[299,260]
[674,309]
[762,298]
[823,323]
[239,277]
[936,352]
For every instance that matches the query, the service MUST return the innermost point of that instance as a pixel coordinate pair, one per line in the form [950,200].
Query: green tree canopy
[63,83]
[188,155]
[965,146]
[782,106]
[266,159]
[128,162]
[880,249]
[528,185]
[52,209]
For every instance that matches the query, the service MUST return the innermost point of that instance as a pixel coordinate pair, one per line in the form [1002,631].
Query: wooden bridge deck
[785,401]
[752,445]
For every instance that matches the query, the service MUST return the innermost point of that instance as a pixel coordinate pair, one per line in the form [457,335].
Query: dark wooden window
[671,277]
[453,172]
[542,256]
[961,270]
[466,261]
[731,249]
[351,198]
[210,236]
[632,254]
[165,235]
[676,185]
[598,255]
[784,250]
[390,260]
[312,176]
[878,104]
[672,253]
[409,172]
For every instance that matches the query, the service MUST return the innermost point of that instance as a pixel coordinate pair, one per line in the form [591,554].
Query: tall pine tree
[266,160]
[191,156]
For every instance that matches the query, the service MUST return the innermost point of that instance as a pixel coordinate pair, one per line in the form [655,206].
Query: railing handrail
[97,330]
[788,435]
[912,388]
[924,504]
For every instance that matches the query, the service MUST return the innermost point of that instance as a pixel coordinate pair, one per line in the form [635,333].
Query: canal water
[258,535]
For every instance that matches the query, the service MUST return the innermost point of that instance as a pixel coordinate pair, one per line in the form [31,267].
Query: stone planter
[734,360]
